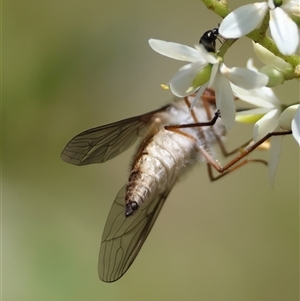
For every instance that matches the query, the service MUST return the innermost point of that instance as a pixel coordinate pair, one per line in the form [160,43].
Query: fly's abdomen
[157,168]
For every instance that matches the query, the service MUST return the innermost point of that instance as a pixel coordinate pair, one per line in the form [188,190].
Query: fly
[167,151]
[173,140]
[161,158]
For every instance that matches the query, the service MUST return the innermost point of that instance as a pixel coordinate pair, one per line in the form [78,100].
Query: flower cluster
[282,27]
[206,69]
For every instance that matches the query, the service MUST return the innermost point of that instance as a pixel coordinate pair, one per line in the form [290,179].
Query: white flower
[207,70]
[290,120]
[275,67]
[267,113]
[283,29]
[270,59]
[270,119]
[296,125]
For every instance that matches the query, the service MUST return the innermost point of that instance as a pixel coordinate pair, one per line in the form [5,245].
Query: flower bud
[276,77]
[203,76]
[269,58]
[248,118]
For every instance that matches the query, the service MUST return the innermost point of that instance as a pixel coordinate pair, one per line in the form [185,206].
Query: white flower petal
[225,100]
[257,111]
[284,31]
[265,125]
[261,97]
[271,4]
[208,56]
[245,78]
[175,51]
[269,58]
[296,126]
[274,154]
[290,120]
[292,7]
[198,95]
[250,65]
[182,81]
[286,117]
[214,71]
[243,20]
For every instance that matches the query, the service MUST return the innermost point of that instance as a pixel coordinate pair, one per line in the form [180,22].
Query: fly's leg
[177,127]
[208,97]
[236,162]
[212,177]
[193,125]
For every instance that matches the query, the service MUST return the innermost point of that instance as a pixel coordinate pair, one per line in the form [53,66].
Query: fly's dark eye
[215,31]
[208,39]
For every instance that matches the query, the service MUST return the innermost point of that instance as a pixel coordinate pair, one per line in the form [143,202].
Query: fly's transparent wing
[102,143]
[124,236]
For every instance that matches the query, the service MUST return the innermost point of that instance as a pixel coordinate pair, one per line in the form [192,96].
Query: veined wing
[102,143]
[124,236]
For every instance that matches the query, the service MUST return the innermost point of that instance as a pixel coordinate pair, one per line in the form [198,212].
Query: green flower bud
[276,77]
[277,3]
[203,76]
[248,118]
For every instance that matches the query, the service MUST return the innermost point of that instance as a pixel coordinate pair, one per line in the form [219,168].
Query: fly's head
[208,39]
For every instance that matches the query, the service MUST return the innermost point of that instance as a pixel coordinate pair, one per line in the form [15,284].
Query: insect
[173,139]
[208,39]
[164,154]
[162,157]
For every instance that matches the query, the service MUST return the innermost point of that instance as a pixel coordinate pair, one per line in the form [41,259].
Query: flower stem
[219,7]
[225,46]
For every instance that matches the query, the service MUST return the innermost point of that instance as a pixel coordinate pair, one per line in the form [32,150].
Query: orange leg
[236,162]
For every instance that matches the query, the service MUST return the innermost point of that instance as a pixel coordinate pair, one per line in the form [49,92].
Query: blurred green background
[72,65]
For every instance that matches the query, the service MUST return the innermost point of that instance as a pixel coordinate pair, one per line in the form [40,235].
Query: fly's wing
[124,236]
[102,143]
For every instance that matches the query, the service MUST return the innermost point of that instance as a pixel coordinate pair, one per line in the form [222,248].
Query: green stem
[219,7]
[225,46]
